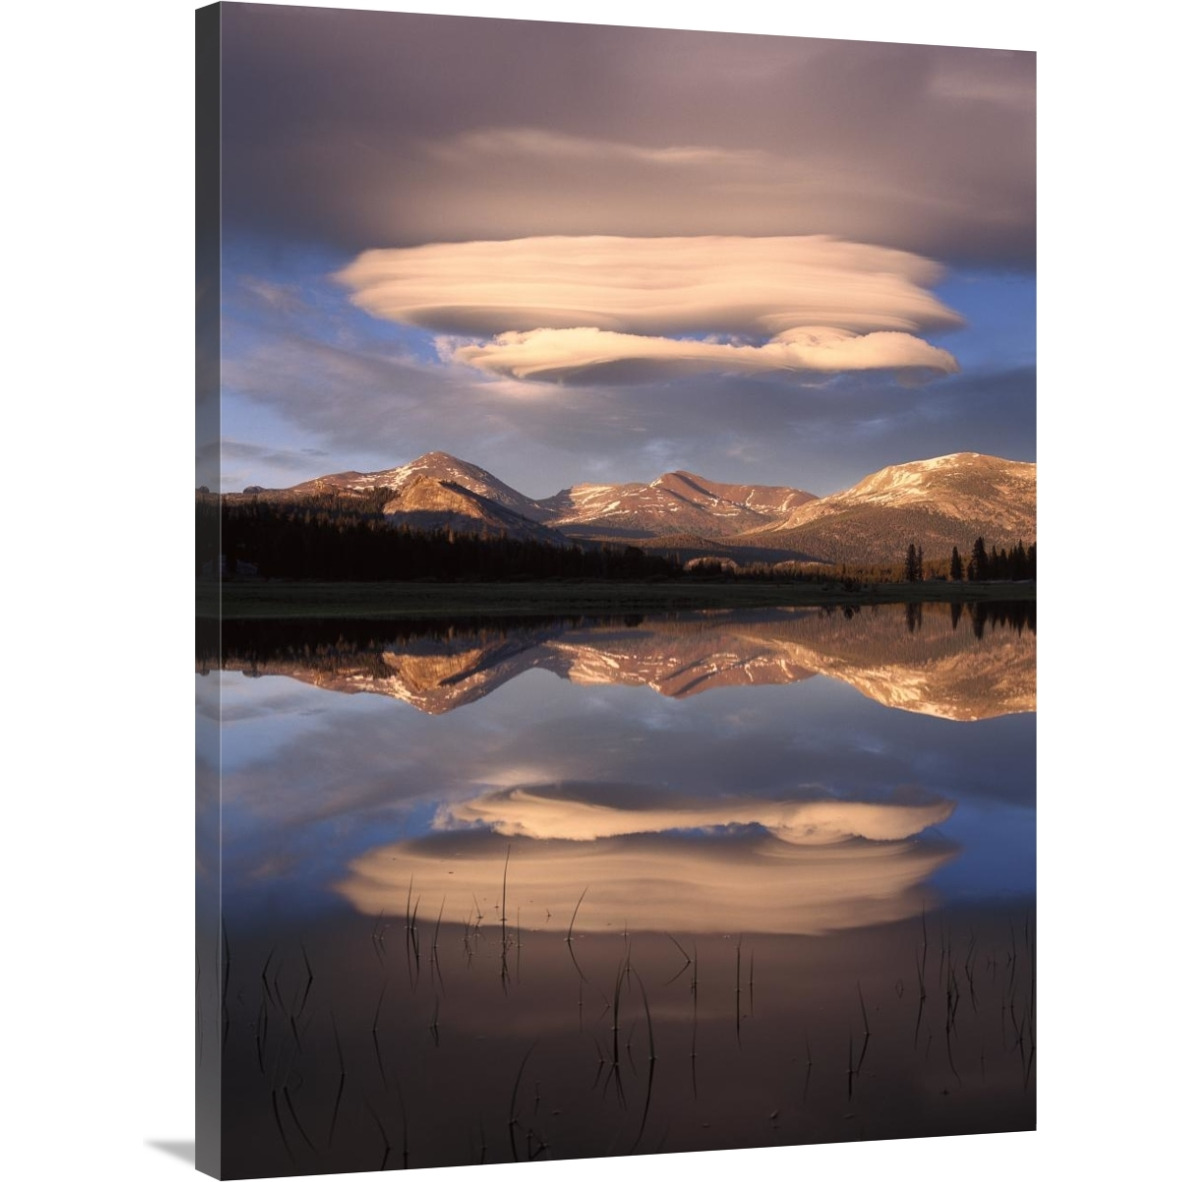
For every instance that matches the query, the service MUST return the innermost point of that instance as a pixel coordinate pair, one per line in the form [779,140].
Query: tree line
[1015,564]
[347,539]
[337,537]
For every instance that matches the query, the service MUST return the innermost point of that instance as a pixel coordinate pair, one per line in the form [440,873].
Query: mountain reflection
[930,662]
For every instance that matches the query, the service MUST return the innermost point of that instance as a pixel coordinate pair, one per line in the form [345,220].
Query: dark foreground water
[580,888]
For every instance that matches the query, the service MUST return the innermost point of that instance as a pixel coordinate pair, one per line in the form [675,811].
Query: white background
[96,1041]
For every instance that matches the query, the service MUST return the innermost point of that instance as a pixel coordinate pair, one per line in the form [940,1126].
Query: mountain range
[935,503]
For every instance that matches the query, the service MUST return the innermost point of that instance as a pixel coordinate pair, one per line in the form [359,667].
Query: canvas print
[616,567]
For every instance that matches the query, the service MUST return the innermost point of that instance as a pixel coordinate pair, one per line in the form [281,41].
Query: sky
[571,253]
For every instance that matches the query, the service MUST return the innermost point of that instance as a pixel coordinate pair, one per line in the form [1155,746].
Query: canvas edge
[212,951]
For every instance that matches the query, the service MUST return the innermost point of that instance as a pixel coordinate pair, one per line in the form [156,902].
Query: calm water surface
[577,887]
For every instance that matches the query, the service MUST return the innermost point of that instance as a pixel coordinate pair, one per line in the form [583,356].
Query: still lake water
[571,888]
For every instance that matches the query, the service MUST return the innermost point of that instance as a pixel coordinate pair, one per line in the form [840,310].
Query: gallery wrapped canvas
[616,566]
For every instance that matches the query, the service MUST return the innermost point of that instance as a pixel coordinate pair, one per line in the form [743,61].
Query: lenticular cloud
[568,309]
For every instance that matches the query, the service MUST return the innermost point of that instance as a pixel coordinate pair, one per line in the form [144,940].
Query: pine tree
[956,571]
[1020,566]
[979,563]
[911,570]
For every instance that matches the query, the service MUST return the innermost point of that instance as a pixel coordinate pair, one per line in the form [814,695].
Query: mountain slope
[937,503]
[437,466]
[675,503]
[427,503]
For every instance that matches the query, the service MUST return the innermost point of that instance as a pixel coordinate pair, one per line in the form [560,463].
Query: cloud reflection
[641,857]
[589,812]
[671,882]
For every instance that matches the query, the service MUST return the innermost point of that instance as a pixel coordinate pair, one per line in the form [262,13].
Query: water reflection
[910,658]
[632,858]
[656,882]
[363,1044]
[585,812]
[580,917]
[314,778]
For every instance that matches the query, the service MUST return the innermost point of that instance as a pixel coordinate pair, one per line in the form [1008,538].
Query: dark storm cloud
[361,130]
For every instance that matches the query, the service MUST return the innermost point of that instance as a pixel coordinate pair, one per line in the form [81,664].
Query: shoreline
[288,599]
